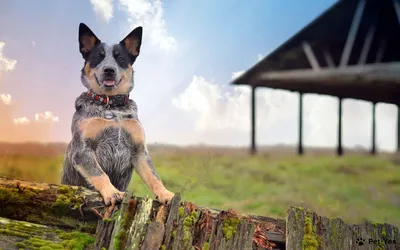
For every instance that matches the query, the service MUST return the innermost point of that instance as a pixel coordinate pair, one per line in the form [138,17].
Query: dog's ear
[132,42]
[87,40]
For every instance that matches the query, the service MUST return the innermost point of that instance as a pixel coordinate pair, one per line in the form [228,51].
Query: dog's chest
[108,115]
[116,115]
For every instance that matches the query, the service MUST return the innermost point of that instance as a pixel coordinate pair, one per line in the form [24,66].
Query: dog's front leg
[145,169]
[86,164]
[143,164]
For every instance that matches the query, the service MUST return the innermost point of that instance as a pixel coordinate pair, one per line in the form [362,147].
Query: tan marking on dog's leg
[102,184]
[150,179]
[98,182]
[91,127]
[135,129]
[145,172]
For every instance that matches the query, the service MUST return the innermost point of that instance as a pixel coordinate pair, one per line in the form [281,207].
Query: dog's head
[108,68]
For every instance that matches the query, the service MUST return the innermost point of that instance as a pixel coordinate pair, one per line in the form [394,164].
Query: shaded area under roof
[312,61]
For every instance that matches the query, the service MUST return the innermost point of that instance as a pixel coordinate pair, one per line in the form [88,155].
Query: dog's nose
[109,71]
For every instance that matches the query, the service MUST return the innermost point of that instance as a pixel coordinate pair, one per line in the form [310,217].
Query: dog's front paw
[165,196]
[111,195]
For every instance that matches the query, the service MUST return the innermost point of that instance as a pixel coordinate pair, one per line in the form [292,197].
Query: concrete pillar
[398,129]
[253,149]
[339,146]
[373,146]
[300,146]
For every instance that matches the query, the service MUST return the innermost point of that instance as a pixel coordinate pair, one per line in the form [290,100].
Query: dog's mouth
[108,83]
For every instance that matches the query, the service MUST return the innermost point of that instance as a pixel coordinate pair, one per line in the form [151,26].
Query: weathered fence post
[307,230]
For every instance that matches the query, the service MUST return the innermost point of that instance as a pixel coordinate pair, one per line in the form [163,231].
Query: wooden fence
[45,216]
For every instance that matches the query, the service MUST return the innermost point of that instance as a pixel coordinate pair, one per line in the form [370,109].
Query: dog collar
[108,101]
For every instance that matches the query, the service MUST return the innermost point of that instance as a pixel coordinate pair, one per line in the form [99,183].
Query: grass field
[353,187]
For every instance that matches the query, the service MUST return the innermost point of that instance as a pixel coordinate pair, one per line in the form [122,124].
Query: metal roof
[350,51]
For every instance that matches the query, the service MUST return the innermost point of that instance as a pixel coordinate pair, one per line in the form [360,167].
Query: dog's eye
[121,58]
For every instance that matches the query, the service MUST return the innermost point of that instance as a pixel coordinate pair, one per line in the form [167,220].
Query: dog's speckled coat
[108,142]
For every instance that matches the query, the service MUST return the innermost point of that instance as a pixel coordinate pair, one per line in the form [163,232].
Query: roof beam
[381,51]
[367,44]
[311,56]
[396,5]
[380,72]
[329,59]
[352,34]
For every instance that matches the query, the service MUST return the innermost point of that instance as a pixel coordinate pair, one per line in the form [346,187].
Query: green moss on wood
[35,236]
[181,211]
[189,221]
[122,235]
[311,241]
[230,227]
[20,203]
[108,219]
[76,240]
[206,246]
[384,234]
[14,233]
[67,241]
[120,239]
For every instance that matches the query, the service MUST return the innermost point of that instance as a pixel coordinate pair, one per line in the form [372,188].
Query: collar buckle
[107,105]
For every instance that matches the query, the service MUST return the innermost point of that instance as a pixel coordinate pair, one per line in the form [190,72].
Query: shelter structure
[352,50]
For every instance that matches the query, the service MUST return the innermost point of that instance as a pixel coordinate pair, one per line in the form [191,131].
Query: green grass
[352,187]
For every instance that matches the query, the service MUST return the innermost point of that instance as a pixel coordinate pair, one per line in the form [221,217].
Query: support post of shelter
[339,146]
[398,128]
[300,146]
[253,149]
[373,148]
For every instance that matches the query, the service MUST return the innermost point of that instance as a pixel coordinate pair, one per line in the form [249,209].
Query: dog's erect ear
[87,40]
[132,42]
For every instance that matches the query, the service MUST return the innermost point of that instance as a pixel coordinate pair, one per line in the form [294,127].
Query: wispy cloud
[21,129]
[47,116]
[146,13]
[150,15]
[103,8]
[5,63]
[5,98]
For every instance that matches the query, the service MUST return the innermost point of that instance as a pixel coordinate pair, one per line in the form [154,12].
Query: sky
[190,53]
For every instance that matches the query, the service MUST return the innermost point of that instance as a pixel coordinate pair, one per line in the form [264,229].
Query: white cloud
[237,74]
[21,120]
[6,99]
[48,116]
[260,57]
[150,15]
[146,13]
[5,63]
[33,43]
[212,107]
[103,8]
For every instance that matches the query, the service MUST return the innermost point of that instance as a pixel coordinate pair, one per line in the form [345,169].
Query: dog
[108,140]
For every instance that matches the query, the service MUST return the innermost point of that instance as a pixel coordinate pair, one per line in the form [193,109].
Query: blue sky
[191,51]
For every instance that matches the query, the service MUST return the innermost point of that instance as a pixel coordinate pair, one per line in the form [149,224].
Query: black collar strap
[109,101]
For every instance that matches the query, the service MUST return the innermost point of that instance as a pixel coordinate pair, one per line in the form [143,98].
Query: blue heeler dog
[108,140]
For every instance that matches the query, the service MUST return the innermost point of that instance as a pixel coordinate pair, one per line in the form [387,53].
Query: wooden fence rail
[46,216]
